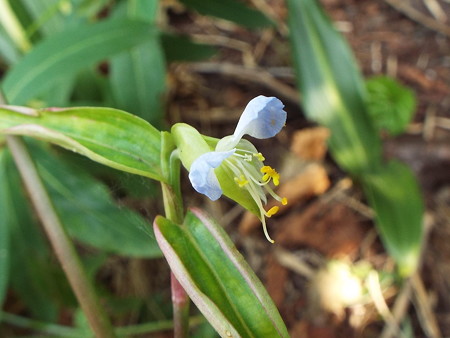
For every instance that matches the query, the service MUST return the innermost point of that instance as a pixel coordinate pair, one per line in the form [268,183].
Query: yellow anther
[260,157]
[241,181]
[276,179]
[270,173]
[284,201]
[272,211]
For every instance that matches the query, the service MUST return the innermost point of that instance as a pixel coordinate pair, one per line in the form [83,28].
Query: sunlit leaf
[394,195]
[108,136]
[333,92]
[217,278]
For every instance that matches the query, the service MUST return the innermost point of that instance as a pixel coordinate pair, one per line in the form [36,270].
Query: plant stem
[62,245]
[173,207]
[180,300]
[180,303]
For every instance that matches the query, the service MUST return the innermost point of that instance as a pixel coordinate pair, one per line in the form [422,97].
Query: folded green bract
[217,278]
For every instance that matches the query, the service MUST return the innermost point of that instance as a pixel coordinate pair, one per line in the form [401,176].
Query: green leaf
[217,278]
[4,230]
[64,54]
[390,104]
[108,136]
[232,10]
[180,48]
[394,194]
[88,212]
[333,93]
[138,75]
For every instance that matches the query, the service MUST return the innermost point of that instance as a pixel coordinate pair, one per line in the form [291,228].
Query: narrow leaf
[64,54]
[108,136]
[395,196]
[217,278]
[332,89]
[232,10]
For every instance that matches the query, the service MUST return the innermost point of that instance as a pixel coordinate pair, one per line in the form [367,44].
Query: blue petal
[262,118]
[202,176]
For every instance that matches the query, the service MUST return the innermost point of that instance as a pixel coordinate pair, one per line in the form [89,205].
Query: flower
[262,118]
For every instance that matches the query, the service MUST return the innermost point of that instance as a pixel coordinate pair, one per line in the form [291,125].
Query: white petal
[202,176]
[262,118]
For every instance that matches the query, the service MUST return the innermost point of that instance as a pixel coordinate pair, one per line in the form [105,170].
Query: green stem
[173,207]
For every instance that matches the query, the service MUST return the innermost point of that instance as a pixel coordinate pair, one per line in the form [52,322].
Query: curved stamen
[282,200]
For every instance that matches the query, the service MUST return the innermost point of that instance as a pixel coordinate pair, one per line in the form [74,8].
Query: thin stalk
[180,304]
[68,331]
[180,299]
[173,207]
[60,241]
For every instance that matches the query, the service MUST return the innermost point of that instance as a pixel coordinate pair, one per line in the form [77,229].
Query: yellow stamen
[272,211]
[241,181]
[270,173]
[284,201]
[260,157]
[276,179]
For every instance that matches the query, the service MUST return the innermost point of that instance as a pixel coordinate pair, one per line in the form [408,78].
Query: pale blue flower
[202,175]
[263,117]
